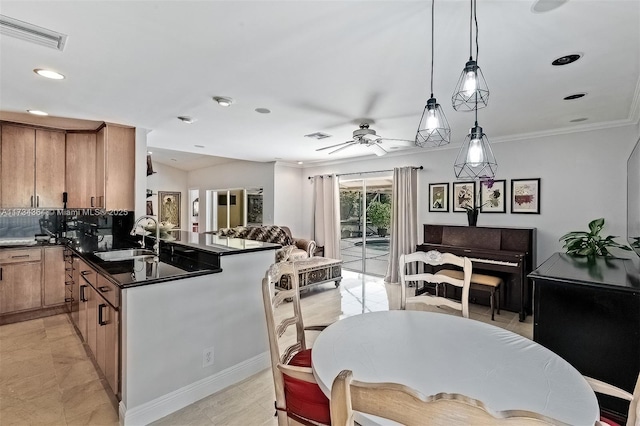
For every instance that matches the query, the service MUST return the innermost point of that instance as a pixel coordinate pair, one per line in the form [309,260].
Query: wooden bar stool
[481,282]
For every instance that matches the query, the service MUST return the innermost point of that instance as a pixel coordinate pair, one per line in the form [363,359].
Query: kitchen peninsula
[186,338]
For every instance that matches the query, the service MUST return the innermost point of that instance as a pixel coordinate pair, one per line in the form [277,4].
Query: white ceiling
[320,66]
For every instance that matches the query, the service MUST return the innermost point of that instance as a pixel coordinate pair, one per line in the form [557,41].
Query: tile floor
[46,377]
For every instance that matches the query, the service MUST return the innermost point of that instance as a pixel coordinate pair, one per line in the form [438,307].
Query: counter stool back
[298,396]
[406,406]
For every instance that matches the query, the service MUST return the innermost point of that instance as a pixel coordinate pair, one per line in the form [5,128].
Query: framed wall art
[169,207]
[525,196]
[492,196]
[439,197]
[464,196]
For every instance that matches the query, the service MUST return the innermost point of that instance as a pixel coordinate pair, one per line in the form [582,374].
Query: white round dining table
[433,353]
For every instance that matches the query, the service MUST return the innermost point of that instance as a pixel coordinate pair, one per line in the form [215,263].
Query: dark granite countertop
[222,246]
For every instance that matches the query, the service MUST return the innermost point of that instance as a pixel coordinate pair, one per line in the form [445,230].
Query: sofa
[292,248]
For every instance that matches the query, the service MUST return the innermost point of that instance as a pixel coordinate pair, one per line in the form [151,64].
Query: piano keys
[505,252]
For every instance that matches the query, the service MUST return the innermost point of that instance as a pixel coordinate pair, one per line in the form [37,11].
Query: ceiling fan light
[434,129]
[475,159]
[471,91]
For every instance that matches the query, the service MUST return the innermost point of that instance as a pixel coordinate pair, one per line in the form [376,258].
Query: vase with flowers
[473,207]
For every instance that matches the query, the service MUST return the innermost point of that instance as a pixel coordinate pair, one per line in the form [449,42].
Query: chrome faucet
[156,246]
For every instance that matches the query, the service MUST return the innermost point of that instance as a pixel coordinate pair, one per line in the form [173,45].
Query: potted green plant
[379,215]
[590,244]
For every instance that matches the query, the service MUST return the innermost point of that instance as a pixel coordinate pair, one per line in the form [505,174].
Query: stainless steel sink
[126,254]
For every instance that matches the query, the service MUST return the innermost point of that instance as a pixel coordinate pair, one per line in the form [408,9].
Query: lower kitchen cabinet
[20,280]
[107,343]
[98,322]
[54,276]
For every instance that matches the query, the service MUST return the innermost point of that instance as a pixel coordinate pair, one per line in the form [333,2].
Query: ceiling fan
[368,137]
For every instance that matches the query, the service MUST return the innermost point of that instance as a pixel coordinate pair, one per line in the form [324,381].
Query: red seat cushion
[608,421]
[305,399]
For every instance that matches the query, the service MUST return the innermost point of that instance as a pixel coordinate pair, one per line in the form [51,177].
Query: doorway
[365,219]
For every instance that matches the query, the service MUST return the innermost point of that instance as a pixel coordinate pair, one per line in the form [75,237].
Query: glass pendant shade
[433,129]
[475,159]
[471,92]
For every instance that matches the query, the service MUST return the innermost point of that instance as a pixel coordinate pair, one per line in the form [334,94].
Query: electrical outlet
[207,357]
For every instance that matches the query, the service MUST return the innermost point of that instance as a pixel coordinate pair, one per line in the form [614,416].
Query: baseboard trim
[180,398]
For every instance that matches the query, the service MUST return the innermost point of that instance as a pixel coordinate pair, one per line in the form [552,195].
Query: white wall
[169,179]
[287,195]
[583,177]
[233,175]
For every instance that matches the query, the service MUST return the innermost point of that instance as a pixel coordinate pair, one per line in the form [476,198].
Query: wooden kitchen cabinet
[33,167]
[87,277]
[115,167]
[54,276]
[18,166]
[80,170]
[98,322]
[107,345]
[20,280]
[50,168]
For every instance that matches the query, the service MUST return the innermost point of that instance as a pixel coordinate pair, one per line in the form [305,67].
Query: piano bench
[480,282]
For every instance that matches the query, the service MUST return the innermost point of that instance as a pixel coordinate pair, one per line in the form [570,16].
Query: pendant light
[475,159]
[472,91]
[433,129]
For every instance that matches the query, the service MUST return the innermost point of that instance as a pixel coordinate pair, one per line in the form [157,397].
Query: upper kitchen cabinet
[50,168]
[115,168]
[81,170]
[32,167]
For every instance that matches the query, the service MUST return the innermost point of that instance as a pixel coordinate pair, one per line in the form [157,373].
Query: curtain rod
[364,173]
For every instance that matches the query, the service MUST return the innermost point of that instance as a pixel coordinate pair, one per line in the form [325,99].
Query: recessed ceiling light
[223,100]
[577,120]
[199,146]
[300,162]
[574,96]
[263,110]
[36,112]
[567,59]
[49,74]
[186,119]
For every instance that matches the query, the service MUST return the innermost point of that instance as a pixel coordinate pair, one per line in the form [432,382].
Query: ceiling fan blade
[320,108]
[371,103]
[372,138]
[333,146]
[399,142]
[378,150]
[346,146]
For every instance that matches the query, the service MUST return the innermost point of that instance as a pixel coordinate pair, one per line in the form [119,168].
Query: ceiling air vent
[317,135]
[33,33]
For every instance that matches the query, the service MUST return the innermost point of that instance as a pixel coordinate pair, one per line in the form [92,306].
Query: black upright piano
[505,252]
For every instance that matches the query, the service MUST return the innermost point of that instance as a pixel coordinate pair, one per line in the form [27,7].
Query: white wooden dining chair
[434,258]
[409,407]
[298,396]
[633,415]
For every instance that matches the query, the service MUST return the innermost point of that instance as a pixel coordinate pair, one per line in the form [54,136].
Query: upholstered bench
[314,271]
[480,282]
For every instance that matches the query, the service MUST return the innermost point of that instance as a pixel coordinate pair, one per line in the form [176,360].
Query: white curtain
[326,220]
[404,218]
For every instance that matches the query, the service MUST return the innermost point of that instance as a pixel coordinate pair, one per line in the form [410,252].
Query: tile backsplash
[27,226]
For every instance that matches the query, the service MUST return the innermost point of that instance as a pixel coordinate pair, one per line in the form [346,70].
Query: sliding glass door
[365,216]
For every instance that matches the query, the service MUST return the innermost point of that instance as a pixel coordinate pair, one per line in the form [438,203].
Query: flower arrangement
[465,196]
